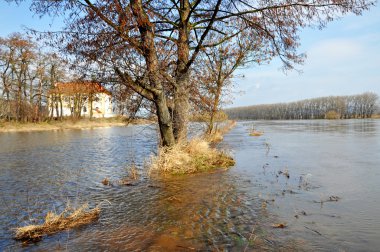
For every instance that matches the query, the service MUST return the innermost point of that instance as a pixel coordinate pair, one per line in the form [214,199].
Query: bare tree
[215,73]
[344,107]
[26,75]
[152,45]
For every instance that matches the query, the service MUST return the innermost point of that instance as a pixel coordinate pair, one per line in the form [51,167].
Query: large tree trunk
[181,95]
[146,28]
[164,121]
[215,106]
[181,112]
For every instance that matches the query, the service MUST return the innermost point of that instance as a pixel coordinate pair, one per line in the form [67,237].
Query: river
[318,178]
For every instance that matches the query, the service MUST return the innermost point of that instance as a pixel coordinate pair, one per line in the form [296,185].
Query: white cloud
[334,51]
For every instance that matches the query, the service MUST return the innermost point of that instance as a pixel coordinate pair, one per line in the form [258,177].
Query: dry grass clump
[256,133]
[106,182]
[217,135]
[133,175]
[129,180]
[191,157]
[133,172]
[69,218]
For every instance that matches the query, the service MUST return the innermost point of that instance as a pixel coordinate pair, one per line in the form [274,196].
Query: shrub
[332,114]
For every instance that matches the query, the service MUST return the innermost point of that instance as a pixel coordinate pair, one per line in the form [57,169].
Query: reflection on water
[230,210]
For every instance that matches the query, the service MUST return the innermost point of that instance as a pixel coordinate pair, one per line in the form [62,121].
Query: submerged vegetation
[69,218]
[256,133]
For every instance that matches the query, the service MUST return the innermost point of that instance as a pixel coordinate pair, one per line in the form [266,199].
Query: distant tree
[17,55]
[26,73]
[332,107]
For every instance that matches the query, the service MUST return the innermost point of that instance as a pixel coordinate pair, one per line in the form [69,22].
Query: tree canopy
[152,46]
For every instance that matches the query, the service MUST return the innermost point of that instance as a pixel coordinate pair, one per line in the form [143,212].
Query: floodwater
[291,175]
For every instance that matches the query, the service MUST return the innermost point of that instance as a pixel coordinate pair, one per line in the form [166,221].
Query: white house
[80,99]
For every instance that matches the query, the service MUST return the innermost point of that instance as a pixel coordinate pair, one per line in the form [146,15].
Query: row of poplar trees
[332,107]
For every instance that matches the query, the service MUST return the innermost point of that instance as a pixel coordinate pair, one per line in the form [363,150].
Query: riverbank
[69,124]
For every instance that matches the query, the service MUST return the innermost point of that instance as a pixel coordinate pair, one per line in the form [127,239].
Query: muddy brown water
[280,177]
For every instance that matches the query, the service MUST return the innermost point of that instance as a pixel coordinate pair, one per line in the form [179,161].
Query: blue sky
[342,59]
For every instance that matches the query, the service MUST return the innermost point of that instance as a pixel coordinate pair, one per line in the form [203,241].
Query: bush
[332,114]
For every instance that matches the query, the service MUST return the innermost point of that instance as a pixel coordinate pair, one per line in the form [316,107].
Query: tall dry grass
[218,133]
[69,218]
[191,157]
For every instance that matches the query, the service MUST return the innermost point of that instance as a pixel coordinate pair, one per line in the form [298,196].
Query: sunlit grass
[217,134]
[256,133]
[68,219]
[191,157]
[68,123]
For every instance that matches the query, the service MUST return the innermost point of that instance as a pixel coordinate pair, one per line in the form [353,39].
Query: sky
[342,59]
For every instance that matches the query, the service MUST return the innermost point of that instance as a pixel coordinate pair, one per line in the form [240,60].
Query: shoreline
[10,127]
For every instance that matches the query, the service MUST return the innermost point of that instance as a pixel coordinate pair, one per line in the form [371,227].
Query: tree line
[26,75]
[332,107]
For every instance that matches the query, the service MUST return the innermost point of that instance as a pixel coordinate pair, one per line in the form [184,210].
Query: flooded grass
[133,171]
[217,135]
[106,182]
[195,155]
[191,157]
[256,133]
[68,219]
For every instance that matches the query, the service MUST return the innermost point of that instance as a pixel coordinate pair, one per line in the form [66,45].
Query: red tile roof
[84,87]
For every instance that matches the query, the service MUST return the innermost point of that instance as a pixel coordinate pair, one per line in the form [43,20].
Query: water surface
[232,210]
